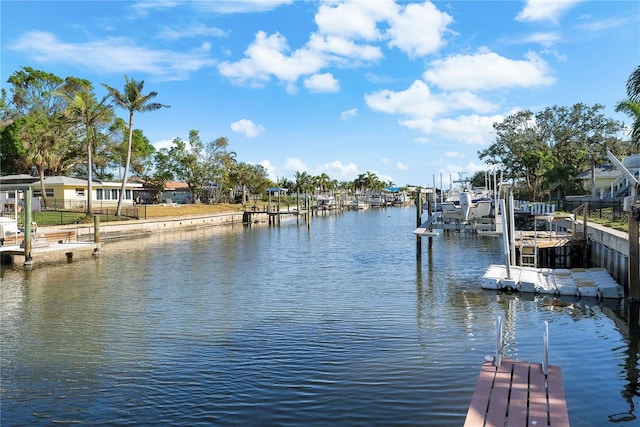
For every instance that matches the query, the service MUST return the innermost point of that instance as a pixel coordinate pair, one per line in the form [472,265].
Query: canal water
[336,324]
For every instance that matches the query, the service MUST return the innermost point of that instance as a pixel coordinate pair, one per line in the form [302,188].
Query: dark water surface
[287,326]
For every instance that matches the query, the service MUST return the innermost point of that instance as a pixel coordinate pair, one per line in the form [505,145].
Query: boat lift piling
[96,234]
[419,222]
[28,259]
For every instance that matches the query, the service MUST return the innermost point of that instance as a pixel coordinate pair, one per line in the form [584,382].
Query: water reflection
[334,324]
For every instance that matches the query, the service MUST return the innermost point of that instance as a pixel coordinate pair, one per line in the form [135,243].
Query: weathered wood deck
[518,394]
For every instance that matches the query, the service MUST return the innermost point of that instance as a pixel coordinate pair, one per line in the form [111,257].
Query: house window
[79,192]
[127,194]
[99,194]
[38,192]
[114,194]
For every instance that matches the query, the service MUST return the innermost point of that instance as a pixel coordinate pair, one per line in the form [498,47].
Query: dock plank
[480,399]
[519,395]
[557,400]
[537,396]
[499,400]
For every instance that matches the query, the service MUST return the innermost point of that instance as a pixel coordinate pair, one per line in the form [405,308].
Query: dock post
[418,222]
[430,212]
[27,228]
[96,234]
[634,250]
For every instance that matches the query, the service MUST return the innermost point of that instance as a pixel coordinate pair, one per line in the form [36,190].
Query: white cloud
[196,30]
[247,128]
[471,129]
[266,56]
[544,39]
[488,70]
[293,164]
[402,166]
[545,10]
[419,107]
[271,170]
[421,140]
[418,29]
[453,154]
[353,19]
[144,7]
[606,24]
[165,143]
[347,31]
[112,55]
[339,171]
[349,114]
[343,49]
[322,83]
[239,6]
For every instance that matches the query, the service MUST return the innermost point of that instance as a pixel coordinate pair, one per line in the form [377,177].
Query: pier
[518,393]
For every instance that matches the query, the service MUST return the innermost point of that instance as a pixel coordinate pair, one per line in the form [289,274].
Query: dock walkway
[516,393]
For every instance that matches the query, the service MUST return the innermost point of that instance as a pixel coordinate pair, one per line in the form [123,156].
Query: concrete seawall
[135,228]
[610,250]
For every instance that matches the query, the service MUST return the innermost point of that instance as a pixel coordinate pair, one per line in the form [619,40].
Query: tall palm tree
[631,106]
[134,101]
[85,110]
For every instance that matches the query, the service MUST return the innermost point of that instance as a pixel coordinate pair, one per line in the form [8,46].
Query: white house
[63,192]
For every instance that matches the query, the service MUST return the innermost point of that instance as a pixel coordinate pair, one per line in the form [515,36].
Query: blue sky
[406,90]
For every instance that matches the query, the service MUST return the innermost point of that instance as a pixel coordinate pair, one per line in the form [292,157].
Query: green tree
[133,101]
[579,137]
[90,116]
[518,151]
[303,182]
[199,165]
[38,102]
[631,106]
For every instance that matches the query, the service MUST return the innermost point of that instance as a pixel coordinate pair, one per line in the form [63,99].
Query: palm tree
[134,101]
[631,106]
[85,110]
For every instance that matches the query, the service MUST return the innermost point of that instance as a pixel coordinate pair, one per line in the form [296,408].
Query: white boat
[8,228]
[376,200]
[358,204]
[401,199]
[326,202]
[466,209]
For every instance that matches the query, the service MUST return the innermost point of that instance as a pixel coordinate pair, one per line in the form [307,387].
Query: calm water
[334,325]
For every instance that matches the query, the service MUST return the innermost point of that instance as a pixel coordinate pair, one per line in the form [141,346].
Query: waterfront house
[63,192]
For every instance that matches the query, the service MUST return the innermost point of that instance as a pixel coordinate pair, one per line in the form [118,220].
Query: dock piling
[28,260]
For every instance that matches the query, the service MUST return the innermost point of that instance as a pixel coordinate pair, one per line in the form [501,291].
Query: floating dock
[517,393]
[579,282]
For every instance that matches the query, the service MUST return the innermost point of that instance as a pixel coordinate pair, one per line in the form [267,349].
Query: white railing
[534,208]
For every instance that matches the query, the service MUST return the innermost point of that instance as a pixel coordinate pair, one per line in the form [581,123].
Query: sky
[408,91]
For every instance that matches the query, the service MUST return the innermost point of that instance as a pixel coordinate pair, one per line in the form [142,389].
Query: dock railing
[518,393]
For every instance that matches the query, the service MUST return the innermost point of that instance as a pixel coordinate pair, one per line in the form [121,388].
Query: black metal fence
[609,210]
[62,212]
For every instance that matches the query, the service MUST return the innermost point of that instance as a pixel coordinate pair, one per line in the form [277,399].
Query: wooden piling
[96,234]
[28,260]
[418,222]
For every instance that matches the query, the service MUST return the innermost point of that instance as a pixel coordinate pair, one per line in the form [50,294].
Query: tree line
[57,126]
[543,152]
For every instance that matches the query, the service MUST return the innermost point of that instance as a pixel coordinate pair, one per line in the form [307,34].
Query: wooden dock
[518,394]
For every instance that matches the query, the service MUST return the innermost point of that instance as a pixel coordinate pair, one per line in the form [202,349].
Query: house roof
[175,185]
[23,181]
[601,171]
